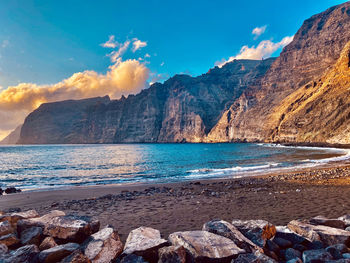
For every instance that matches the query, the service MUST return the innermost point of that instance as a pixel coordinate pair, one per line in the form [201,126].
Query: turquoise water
[53,166]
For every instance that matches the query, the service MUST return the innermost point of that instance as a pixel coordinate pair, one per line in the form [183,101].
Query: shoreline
[171,207]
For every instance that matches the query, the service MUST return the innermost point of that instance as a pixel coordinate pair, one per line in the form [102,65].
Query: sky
[55,50]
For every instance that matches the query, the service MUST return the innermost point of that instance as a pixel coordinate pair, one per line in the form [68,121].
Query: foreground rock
[32,235]
[23,254]
[9,240]
[257,231]
[103,246]
[76,257]
[225,229]
[47,243]
[327,235]
[58,225]
[57,253]
[5,228]
[144,242]
[13,218]
[172,254]
[204,246]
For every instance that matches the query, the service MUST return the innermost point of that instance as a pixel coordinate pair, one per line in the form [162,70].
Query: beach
[278,198]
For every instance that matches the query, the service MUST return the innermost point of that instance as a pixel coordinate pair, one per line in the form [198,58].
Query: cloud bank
[122,78]
[264,50]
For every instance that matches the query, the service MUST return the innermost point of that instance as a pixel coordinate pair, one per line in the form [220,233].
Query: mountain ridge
[245,100]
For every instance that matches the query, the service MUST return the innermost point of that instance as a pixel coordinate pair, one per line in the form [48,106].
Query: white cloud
[111,43]
[137,44]
[162,64]
[147,55]
[258,31]
[264,50]
[116,54]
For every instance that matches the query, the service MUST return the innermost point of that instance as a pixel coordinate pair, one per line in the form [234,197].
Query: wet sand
[277,198]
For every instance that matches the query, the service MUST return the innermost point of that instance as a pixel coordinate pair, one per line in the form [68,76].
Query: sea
[44,167]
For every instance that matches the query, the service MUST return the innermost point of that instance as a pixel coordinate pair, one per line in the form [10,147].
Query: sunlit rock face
[183,109]
[257,114]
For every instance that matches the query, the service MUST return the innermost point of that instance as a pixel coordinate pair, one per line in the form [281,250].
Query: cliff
[183,109]
[13,137]
[315,48]
[299,97]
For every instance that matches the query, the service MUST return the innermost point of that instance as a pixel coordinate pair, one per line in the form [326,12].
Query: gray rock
[256,257]
[272,246]
[58,225]
[292,253]
[172,254]
[206,246]
[9,240]
[25,254]
[258,231]
[144,242]
[31,236]
[57,253]
[327,235]
[321,220]
[346,255]
[225,229]
[47,243]
[13,218]
[103,246]
[317,255]
[6,228]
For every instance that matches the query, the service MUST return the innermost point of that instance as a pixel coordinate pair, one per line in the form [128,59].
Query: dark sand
[277,198]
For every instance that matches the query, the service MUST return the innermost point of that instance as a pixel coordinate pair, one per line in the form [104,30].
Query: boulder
[9,240]
[26,254]
[206,246]
[67,227]
[321,220]
[132,258]
[38,221]
[6,228]
[256,257]
[327,235]
[272,246]
[144,242]
[295,260]
[225,229]
[258,231]
[76,257]
[47,243]
[103,246]
[286,234]
[57,253]
[172,254]
[317,255]
[13,218]
[32,235]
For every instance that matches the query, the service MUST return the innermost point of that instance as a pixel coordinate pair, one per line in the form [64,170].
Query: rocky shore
[58,237]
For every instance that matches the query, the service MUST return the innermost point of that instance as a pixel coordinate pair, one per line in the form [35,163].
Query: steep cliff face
[183,109]
[320,110]
[315,47]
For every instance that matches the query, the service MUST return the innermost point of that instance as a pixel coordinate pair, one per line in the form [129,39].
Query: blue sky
[46,41]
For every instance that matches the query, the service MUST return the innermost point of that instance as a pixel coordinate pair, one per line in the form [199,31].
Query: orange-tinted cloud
[122,78]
